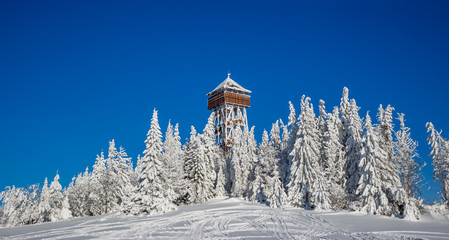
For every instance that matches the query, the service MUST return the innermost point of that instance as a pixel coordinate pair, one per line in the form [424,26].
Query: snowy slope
[235,219]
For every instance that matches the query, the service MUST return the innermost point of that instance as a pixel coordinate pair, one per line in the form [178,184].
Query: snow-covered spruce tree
[55,199]
[123,169]
[440,157]
[253,165]
[307,187]
[151,196]
[353,146]
[334,160]
[31,213]
[276,192]
[119,172]
[275,136]
[369,195]
[101,194]
[214,158]
[345,111]
[259,188]
[237,176]
[285,164]
[379,189]
[405,154]
[44,207]
[172,156]
[385,130]
[79,195]
[200,183]
[14,205]
[65,212]
[322,129]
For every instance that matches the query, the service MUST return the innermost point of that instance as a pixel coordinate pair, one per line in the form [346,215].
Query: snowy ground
[236,219]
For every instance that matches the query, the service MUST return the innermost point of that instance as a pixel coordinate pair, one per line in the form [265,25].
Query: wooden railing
[228,97]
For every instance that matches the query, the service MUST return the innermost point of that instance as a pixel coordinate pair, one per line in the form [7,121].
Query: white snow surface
[231,218]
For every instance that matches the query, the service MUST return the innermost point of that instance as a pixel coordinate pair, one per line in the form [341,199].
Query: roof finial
[229,74]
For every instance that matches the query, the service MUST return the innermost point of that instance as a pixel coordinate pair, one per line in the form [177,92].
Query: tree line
[331,161]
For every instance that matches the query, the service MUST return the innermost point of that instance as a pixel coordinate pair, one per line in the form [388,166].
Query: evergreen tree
[101,187]
[65,211]
[200,183]
[370,197]
[352,126]
[306,187]
[79,195]
[151,195]
[276,193]
[31,213]
[285,164]
[213,156]
[440,156]
[385,130]
[259,189]
[172,156]
[345,112]
[253,165]
[14,205]
[405,155]
[237,173]
[379,190]
[44,207]
[55,199]
[334,160]
[322,129]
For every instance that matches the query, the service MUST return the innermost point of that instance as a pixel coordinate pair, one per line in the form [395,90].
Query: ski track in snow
[218,219]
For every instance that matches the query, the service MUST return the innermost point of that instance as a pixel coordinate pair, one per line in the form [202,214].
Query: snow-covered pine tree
[385,130]
[237,178]
[276,192]
[214,160]
[200,186]
[31,213]
[172,156]
[370,197]
[405,154]
[345,111]
[259,188]
[151,196]
[14,205]
[352,126]
[379,189]
[306,187]
[275,136]
[285,134]
[334,160]
[322,129]
[285,164]
[44,207]
[440,156]
[114,188]
[123,169]
[79,195]
[101,184]
[65,211]
[55,199]
[253,162]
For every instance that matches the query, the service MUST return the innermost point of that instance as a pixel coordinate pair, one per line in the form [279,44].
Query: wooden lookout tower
[229,102]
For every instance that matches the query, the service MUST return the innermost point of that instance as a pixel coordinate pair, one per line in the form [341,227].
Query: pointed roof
[229,84]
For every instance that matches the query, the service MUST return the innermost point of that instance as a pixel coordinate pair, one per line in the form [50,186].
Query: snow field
[232,218]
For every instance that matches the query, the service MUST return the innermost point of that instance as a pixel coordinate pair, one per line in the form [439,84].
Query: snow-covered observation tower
[229,102]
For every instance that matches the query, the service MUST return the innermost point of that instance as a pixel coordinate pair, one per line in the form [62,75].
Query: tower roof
[229,84]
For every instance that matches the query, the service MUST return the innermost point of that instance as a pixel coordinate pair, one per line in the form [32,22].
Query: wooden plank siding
[228,97]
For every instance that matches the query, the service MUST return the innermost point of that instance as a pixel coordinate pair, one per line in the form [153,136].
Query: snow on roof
[229,84]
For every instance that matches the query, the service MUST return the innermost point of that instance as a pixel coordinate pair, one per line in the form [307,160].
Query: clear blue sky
[76,74]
